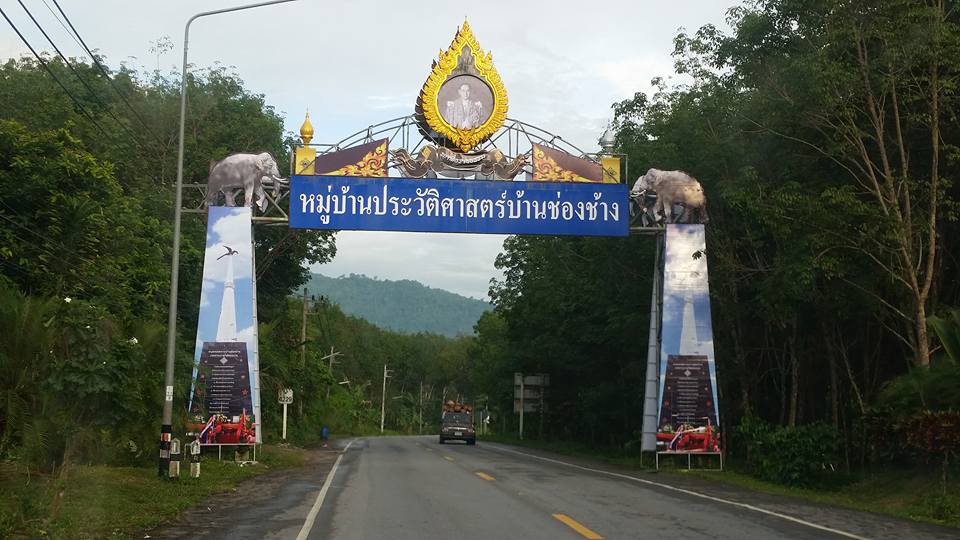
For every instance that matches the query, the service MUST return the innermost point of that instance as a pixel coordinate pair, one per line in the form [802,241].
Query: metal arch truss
[195,202]
[515,138]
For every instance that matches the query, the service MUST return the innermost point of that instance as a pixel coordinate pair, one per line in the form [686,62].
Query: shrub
[935,387]
[935,437]
[801,456]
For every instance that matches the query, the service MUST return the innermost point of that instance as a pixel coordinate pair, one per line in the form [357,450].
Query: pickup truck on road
[456,423]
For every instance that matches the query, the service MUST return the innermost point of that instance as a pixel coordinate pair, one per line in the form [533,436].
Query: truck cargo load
[456,423]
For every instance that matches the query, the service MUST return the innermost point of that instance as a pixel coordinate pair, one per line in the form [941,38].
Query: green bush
[935,387]
[801,456]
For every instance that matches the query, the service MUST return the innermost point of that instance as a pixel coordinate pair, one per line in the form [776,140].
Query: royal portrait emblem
[463,101]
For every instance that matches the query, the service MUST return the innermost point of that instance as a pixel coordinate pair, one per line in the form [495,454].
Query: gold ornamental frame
[443,68]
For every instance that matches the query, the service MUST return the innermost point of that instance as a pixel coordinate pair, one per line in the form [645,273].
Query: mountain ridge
[405,305]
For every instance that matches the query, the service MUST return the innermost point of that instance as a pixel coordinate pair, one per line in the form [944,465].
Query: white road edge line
[689,492]
[312,515]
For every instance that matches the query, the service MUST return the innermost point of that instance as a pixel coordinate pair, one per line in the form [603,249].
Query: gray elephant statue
[249,172]
[672,188]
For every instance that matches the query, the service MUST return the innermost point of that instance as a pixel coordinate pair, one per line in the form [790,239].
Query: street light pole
[166,428]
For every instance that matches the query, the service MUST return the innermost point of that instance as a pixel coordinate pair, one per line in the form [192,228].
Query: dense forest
[824,132]
[86,212]
[403,306]
[85,234]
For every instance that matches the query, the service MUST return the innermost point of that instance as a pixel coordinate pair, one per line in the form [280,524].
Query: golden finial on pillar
[304,156]
[306,130]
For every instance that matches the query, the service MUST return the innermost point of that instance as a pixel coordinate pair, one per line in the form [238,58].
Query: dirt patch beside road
[273,504]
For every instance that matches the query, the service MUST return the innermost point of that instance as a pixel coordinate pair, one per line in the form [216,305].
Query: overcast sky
[356,63]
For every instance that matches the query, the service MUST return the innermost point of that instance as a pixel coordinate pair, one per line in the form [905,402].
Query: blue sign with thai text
[458,206]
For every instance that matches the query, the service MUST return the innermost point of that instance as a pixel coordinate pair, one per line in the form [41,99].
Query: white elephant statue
[671,188]
[250,172]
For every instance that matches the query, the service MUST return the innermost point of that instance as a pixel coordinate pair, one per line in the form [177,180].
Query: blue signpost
[458,206]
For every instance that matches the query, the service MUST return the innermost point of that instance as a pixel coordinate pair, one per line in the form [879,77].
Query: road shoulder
[855,523]
[272,504]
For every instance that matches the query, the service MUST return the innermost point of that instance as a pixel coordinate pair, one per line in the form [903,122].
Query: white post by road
[284,421]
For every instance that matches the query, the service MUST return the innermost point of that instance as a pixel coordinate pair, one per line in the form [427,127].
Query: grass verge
[913,494]
[99,501]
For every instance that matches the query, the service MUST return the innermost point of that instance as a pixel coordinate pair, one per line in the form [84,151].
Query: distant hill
[403,306]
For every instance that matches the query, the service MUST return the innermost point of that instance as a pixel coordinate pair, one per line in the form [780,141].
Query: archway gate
[459,165]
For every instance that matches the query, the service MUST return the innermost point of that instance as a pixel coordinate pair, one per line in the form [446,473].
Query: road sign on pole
[285,397]
[528,393]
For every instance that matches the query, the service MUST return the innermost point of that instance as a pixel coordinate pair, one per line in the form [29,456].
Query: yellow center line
[575,525]
[448,458]
[485,476]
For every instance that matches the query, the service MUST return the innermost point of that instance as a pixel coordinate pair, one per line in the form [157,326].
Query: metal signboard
[541,379]
[529,391]
[285,396]
[458,206]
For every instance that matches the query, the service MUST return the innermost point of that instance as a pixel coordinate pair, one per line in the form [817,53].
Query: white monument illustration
[690,344]
[227,326]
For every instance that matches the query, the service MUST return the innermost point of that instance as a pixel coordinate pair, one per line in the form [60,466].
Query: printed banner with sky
[225,398]
[689,411]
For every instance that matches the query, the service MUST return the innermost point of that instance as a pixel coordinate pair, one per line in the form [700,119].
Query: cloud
[400,101]
[683,271]
[232,230]
[633,74]
[245,334]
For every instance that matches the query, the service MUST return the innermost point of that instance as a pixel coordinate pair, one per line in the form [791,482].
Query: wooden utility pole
[540,409]
[521,406]
[383,397]
[303,331]
[330,358]
[421,408]
[303,346]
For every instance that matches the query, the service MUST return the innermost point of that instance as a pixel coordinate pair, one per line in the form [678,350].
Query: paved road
[413,488]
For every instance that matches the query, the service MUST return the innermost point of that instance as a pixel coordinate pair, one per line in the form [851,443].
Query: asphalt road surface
[401,488]
[414,488]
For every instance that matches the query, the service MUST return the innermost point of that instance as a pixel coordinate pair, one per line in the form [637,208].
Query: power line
[50,71]
[62,25]
[86,85]
[99,65]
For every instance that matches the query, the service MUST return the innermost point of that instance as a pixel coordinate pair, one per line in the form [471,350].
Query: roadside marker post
[174,467]
[195,459]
